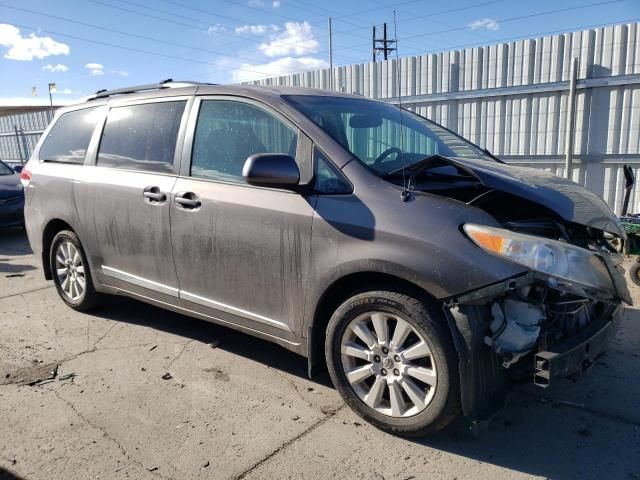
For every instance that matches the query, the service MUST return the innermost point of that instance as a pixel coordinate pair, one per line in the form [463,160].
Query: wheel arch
[339,290]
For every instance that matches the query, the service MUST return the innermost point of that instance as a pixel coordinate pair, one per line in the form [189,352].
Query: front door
[123,200]
[241,251]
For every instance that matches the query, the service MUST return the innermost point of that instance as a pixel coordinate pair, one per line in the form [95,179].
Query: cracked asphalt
[244,409]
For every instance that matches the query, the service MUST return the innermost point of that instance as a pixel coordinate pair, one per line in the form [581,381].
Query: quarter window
[141,137]
[327,179]
[69,138]
[228,132]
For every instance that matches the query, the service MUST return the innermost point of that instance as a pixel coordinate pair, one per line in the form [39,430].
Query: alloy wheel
[388,364]
[70,270]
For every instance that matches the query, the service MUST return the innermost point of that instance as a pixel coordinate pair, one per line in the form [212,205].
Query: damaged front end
[557,318]
[525,329]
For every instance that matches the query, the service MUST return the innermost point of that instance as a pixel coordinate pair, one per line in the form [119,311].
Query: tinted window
[6,169]
[228,132]
[141,137]
[327,179]
[69,138]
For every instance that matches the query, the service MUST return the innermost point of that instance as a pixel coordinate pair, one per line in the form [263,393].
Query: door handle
[154,195]
[188,200]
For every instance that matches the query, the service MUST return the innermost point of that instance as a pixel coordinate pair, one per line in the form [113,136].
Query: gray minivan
[423,272]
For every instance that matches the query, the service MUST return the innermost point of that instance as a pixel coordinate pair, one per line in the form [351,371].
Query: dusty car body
[492,272]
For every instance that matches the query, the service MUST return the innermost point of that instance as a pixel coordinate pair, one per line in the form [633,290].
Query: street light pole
[52,88]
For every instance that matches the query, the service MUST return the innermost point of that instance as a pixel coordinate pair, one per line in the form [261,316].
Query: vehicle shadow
[13,268]
[7,475]
[13,241]
[127,310]
[528,435]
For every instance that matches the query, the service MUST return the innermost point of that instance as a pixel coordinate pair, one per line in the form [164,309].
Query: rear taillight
[25,176]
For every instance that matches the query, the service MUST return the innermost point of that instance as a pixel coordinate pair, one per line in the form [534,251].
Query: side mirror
[275,170]
[18,168]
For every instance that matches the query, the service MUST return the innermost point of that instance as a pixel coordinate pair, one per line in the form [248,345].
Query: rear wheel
[391,358]
[70,271]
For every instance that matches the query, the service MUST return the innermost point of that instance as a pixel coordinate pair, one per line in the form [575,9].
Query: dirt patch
[218,374]
[30,375]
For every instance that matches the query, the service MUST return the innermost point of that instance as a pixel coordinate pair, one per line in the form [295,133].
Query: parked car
[422,271]
[11,197]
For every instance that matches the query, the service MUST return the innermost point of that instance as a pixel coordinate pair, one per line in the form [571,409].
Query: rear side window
[69,138]
[141,137]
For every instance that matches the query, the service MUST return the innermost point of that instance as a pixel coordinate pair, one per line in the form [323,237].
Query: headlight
[552,257]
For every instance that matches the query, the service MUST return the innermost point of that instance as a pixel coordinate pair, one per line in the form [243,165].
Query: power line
[504,20]
[139,50]
[120,32]
[194,27]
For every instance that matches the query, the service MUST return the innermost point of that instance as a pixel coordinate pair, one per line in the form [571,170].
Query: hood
[569,200]
[10,186]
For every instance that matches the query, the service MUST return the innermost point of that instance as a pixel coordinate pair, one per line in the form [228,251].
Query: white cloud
[58,67]
[256,3]
[297,39]
[257,29]
[66,91]
[122,73]
[29,47]
[247,72]
[95,69]
[276,3]
[488,23]
[217,28]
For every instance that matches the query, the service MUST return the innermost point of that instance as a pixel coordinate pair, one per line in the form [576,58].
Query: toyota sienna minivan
[424,273]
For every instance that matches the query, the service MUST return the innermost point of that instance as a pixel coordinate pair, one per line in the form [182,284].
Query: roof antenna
[406,190]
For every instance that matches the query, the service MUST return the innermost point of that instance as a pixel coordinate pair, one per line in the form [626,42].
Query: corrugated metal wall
[512,98]
[15,147]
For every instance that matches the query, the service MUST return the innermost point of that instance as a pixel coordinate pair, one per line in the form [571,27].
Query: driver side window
[228,132]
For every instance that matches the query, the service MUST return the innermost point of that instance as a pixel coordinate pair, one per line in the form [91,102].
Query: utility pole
[384,41]
[52,89]
[330,57]
[571,120]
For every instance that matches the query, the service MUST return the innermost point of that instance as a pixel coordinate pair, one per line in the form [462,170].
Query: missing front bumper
[575,354]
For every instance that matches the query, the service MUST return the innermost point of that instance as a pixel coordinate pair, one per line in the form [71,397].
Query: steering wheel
[386,153]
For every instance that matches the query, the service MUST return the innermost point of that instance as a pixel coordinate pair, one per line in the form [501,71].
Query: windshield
[374,133]
[5,169]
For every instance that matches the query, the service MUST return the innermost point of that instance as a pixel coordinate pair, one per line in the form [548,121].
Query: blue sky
[87,45]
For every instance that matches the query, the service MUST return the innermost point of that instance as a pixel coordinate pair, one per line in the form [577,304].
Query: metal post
[15,129]
[25,146]
[571,119]
[384,35]
[373,45]
[330,57]
[50,102]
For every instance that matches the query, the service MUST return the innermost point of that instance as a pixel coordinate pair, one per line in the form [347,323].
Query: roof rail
[168,83]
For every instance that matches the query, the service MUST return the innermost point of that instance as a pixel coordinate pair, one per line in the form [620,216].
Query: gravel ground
[143,393]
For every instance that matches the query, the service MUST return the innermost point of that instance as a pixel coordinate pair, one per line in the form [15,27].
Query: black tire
[426,319]
[89,299]
[634,273]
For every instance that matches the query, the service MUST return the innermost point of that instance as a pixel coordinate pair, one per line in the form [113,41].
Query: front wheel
[70,271]
[392,359]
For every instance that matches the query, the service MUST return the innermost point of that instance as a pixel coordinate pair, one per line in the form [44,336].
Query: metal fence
[19,133]
[514,99]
